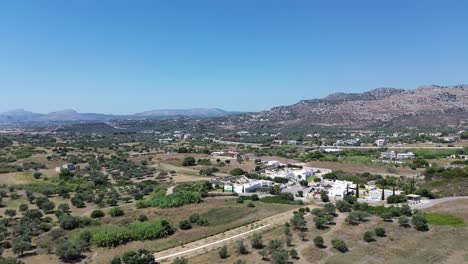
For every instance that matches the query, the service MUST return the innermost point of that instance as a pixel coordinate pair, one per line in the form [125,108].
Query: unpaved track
[437,201]
[216,241]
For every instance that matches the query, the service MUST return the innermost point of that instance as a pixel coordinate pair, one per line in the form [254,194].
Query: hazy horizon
[127,57]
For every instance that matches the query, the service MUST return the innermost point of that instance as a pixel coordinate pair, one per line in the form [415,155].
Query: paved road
[216,241]
[430,203]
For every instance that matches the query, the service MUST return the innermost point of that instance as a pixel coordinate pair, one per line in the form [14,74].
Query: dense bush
[237,172]
[116,212]
[393,199]
[67,250]
[318,242]
[223,252]
[339,245]
[420,222]
[380,231]
[112,235]
[69,222]
[141,256]
[189,161]
[343,206]
[97,214]
[369,236]
[185,225]
[194,218]
[176,199]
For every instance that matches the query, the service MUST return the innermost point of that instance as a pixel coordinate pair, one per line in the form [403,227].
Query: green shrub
[203,222]
[69,222]
[380,231]
[176,199]
[369,236]
[97,214]
[142,218]
[116,212]
[185,225]
[339,245]
[403,220]
[188,161]
[194,218]
[223,252]
[420,222]
[318,242]
[237,172]
[142,256]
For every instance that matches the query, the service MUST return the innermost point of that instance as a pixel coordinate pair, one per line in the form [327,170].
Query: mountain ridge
[71,115]
[374,107]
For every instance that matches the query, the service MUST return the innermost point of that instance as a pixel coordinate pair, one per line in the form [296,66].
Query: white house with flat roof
[407,155]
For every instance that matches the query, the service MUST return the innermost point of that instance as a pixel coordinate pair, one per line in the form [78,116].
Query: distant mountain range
[69,115]
[426,106]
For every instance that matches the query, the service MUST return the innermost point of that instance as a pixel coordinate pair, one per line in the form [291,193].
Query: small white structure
[388,155]
[408,155]
[69,166]
[272,163]
[332,150]
[381,142]
[217,153]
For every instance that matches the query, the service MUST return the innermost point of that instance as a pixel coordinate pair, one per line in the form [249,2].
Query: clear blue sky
[128,56]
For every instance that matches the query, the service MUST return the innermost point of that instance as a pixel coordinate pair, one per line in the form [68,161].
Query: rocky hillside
[425,106]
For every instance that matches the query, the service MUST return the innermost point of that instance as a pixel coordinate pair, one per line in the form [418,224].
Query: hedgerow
[177,199]
[113,235]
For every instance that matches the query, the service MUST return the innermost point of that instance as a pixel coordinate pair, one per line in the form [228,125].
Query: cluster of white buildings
[337,190]
[246,185]
[294,174]
[394,155]
[349,142]
[459,156]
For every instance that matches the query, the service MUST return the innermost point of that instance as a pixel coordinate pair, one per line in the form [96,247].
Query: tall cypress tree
[357,190]
[383,193]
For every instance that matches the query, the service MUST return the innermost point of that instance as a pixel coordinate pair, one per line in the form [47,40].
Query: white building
[381,142]
[332,150]
[272,163]
[291,173]
[337,189]
[69,166]
[388,155]
[460,156]
[217,153]
[408,155]
[246,185]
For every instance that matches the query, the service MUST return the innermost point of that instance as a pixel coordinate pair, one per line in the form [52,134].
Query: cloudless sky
[129,56]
